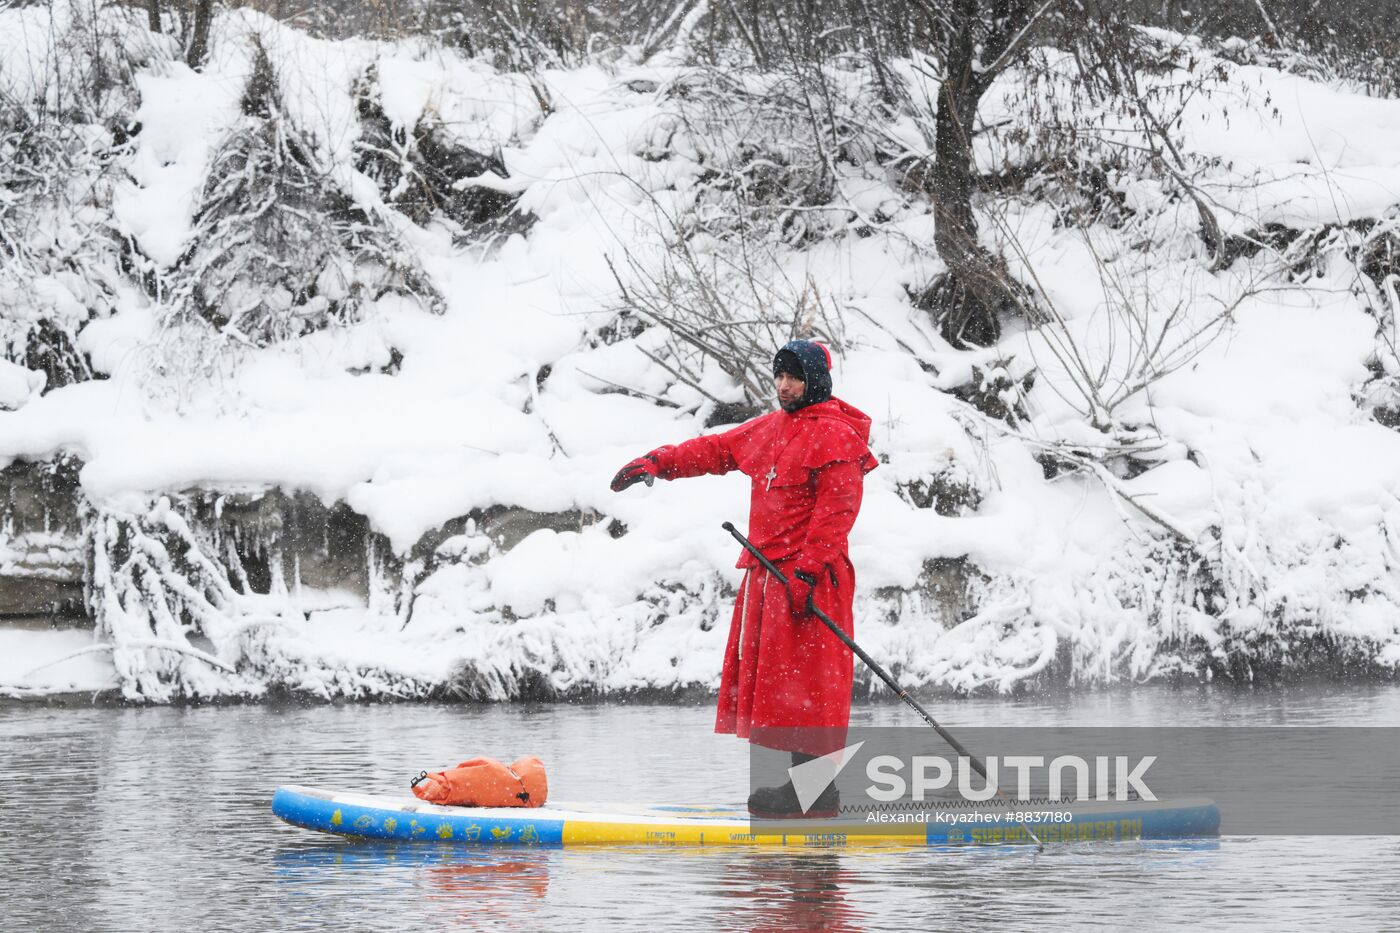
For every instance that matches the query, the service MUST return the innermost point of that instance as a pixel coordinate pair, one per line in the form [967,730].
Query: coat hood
[841,411]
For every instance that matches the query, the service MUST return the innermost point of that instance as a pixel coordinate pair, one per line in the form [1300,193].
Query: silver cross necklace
[772,473]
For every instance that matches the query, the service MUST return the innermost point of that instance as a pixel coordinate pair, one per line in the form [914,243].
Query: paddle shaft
[860,653]
[880,672]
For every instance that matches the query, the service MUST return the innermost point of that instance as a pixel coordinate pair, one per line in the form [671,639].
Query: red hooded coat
[787,682]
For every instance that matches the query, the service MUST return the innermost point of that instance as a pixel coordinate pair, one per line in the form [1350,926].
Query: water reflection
[474,884]
[767,892]
[734,889]
[792,892]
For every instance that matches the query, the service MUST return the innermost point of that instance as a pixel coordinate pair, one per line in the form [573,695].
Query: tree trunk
[970,310]
[199,39]
[153,15]
[982,288]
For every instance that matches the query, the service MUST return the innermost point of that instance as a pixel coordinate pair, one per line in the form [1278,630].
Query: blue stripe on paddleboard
[334,816]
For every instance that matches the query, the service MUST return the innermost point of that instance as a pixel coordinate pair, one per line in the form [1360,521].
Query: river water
[157,819]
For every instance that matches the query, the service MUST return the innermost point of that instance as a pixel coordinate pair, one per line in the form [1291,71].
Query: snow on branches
[66,104]
[279,248]
[170,594]
[152,587]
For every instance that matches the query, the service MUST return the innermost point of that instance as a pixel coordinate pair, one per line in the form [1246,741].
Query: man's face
[790,390]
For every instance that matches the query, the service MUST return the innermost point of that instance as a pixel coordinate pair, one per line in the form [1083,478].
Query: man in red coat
[786,682]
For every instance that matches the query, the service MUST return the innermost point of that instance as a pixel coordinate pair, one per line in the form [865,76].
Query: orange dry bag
[485,782]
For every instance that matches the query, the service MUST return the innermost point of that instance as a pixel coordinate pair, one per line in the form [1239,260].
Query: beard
[790,407]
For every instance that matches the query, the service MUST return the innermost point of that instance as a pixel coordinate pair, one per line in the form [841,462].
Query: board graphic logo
[810,778]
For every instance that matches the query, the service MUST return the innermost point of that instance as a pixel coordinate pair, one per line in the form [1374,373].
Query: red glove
[643,469]
[802,583]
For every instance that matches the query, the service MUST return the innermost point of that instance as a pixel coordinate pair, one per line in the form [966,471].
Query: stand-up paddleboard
[406,818]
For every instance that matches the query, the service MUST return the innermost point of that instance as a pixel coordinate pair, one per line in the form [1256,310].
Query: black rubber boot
[780,803]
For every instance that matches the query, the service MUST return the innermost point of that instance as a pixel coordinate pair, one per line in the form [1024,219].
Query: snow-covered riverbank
[1194,475]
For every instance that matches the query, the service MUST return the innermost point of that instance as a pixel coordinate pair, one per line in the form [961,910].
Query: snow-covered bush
[61,255]
[950,488]
[151,587]
[426,173]
[195,601]
[279,248]
[774,150]
[66,99]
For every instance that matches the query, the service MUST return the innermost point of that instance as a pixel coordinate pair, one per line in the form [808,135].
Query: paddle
[880,672]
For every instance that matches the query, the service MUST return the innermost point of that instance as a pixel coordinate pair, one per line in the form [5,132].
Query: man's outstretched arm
[710,453]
